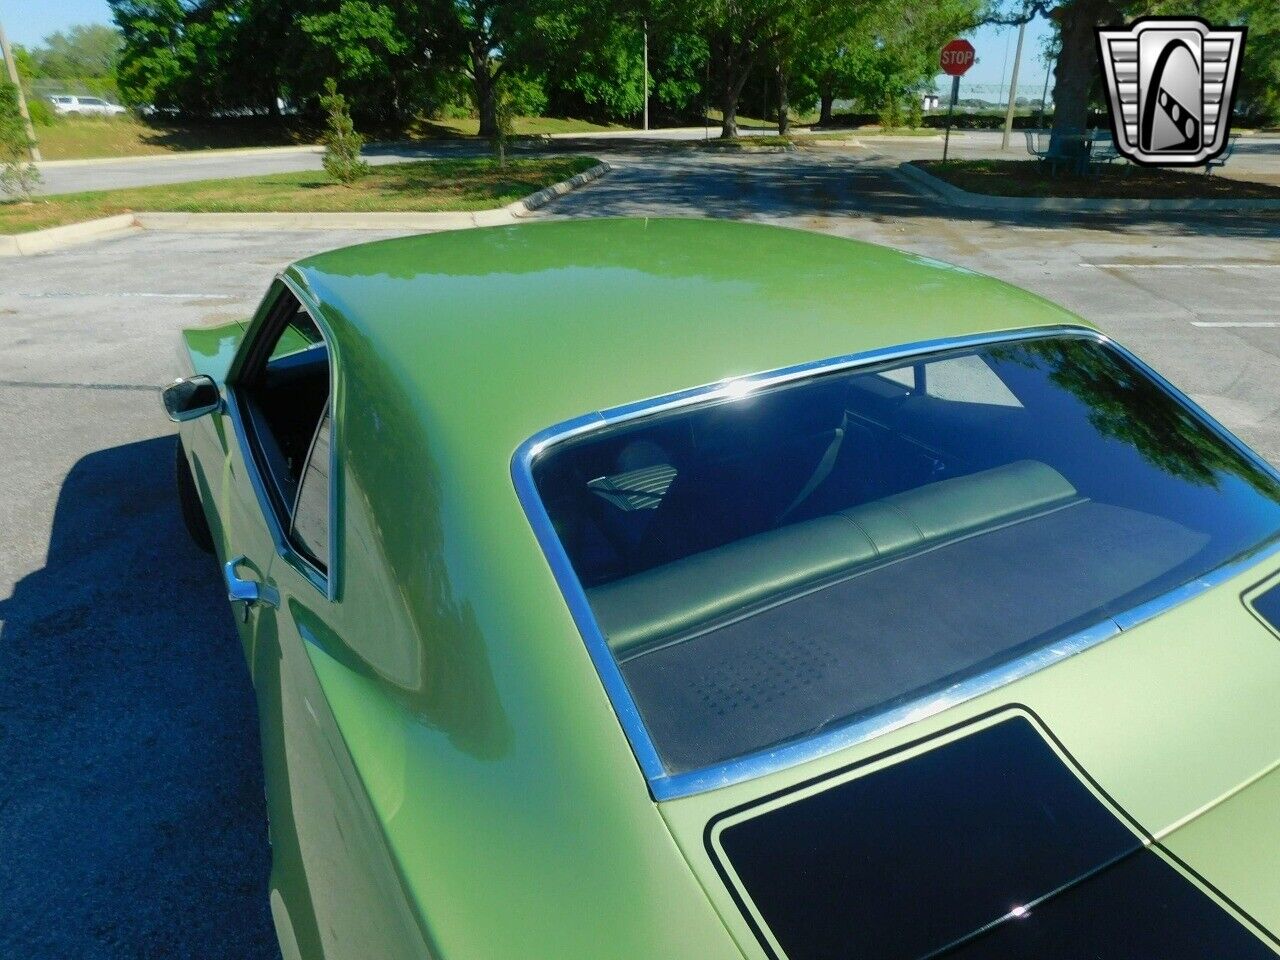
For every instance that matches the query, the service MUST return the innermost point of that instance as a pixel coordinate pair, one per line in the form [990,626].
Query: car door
[223,470]
[335,892]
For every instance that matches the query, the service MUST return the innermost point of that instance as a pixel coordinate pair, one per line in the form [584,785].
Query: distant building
[930,101]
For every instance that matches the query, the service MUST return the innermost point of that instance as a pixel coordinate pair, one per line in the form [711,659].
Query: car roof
[513,329]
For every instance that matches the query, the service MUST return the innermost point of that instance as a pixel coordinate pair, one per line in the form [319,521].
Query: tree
[885,51]
[1077,74]
[502,120]
[679,66]
[590,60]
[359,42]
[798,28]
[86,50]
[1258,92]
[17,174]
[740,33]
[158,59]
[342,144]
[491,39]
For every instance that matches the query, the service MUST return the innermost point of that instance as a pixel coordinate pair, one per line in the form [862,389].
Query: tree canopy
[397,59]
[83,57]
[1077,73]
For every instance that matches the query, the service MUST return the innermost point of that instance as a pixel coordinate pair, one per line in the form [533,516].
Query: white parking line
[162,296]
[1259,265]
[1235,323]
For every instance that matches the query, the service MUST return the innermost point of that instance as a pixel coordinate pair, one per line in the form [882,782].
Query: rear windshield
[766,567]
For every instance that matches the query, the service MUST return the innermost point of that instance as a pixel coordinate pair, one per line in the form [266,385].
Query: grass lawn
[756,142]
[79,138]
[833,133]
[428,185]
[1027,178]
[521,127]
[877,131]
[746,122]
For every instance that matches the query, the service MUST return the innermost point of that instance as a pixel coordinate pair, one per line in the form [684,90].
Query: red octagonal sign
[957,57]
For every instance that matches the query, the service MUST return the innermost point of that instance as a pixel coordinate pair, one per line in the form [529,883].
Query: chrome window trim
[667,786]
[324,581]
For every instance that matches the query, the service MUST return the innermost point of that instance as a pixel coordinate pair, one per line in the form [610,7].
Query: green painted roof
[508,330]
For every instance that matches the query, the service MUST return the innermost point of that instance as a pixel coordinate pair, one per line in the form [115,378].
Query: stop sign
[957,57]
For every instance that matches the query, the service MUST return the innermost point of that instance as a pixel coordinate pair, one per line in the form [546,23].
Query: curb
[526,205]
[981,201]
[40,241]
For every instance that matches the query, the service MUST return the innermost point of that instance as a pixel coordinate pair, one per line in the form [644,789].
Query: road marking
[1235,323]
[37,384]
[161,296]
[1261,265]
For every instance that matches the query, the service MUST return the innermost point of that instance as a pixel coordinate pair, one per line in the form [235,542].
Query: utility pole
[22,100]
[1013,88]
[1044,94]
[646,73]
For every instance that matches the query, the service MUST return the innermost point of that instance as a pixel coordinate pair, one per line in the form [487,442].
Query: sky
[29,21]
[995,47]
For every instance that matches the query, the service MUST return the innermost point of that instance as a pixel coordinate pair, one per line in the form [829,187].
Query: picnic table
[1077,150]
[1222,158]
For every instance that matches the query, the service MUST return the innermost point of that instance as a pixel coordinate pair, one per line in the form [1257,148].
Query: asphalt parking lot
[131,810]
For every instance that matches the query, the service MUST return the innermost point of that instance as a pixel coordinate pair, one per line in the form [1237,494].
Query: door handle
[247,592]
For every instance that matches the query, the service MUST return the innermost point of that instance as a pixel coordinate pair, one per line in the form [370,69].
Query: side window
[300,333]
[310,530]
[962,379]
[967,379]
[284,388]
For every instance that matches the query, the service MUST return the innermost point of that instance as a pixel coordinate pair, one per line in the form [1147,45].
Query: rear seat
[680,595]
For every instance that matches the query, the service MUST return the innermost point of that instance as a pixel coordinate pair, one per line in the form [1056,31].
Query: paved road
[131,816]
[61,176]
[78,175]
[1256,158]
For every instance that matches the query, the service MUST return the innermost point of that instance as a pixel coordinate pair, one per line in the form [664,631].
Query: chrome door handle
[248,592]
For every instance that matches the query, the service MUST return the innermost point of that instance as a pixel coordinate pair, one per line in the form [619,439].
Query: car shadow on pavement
[820,184]
[132,820]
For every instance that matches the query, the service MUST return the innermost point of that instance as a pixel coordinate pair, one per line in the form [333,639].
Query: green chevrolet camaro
[688,590]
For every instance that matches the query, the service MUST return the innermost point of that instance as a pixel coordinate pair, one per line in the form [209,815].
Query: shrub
[915,113]
[342,143]
[891,113]
[17,174]
[42,114]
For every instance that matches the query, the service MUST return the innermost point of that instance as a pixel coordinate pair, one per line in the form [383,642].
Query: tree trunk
[485,91]
[828,101]
[729,97]
[729,117]
[1076,72]
[784,107]
[734,68]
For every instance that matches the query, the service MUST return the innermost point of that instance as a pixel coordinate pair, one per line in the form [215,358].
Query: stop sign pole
[956,58]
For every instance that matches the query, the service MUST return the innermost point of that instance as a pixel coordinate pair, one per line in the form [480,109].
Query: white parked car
[64,104]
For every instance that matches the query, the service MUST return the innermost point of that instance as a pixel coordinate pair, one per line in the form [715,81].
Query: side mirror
[191,397]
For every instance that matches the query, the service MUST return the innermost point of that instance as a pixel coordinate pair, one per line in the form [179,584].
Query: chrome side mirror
[191,397]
